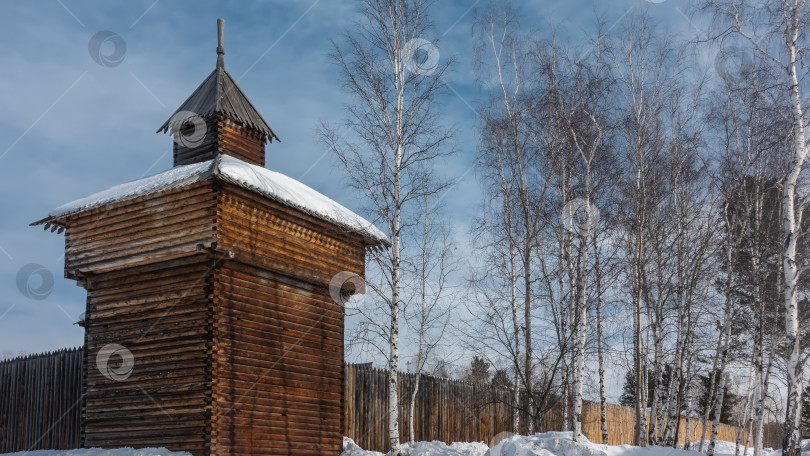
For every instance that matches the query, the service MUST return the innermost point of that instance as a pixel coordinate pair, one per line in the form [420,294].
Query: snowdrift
[549,444]
[545,444]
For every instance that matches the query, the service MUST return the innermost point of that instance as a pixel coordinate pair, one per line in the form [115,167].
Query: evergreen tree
[729,399]
[478,372]
[501,379]
[629,391]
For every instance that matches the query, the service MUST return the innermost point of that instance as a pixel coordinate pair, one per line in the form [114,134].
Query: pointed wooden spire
[220,49]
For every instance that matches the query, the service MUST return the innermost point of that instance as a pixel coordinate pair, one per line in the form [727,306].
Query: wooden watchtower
[211,325]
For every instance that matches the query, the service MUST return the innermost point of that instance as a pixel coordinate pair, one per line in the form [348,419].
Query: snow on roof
[289,191]
[267,183]
[173,178]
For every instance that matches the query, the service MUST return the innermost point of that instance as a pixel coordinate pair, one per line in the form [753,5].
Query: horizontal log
[144,239]
[165,280]
[308,330]
[281,282]
[310,306]
[264,405]
[140,274]
[263,427]
[269,235]
[127,210]
[252,199]
[305,363]
[151,257]
[163,248]
[273,443]
[260,343]
[133,337]
[280,374]
[272,308]
[254,382]
[143,222]
[104,388]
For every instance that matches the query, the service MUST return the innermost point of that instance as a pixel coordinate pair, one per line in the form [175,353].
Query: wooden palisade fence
[40,408]
[40,401]
[456,411]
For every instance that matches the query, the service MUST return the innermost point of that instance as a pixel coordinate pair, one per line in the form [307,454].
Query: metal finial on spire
[220,49]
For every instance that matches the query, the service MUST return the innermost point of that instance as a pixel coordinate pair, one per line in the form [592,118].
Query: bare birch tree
[643,62]
[577,93]
[427,311]
[516,169]
[778,31]
[751,135]
[389,137]
[500,61]
[692,226]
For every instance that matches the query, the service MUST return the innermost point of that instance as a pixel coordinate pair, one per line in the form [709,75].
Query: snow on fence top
[271,184]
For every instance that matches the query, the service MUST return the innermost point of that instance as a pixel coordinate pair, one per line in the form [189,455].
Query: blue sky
[70,127]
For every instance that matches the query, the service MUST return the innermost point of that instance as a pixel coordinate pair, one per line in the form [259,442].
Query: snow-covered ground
[545,444]
[728,448]
[422,449]
[548,444]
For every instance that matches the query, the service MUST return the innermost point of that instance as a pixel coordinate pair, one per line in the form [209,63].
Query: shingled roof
[219,94]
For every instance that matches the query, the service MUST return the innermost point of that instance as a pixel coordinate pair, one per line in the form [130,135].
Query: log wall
[144,230]
[278,364]
[221,136]
[161,314]
[278,379]
[264,232]
[147,267]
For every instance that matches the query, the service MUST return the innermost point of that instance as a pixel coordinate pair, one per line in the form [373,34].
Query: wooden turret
[211,323]
[218,119]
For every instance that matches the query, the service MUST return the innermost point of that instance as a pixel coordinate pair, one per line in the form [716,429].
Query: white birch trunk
[760,406]
[564,313]
[687,441]
[385,122]
[656,421]
[645,386]
[568,326]
[712,381]
[516,328]
[789,17]
[413,407]
[672,408]
[527,308]
[393,362]
[744,423]
[791,222]
[579,347]
[718,405]
[599,346]
[640,403]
